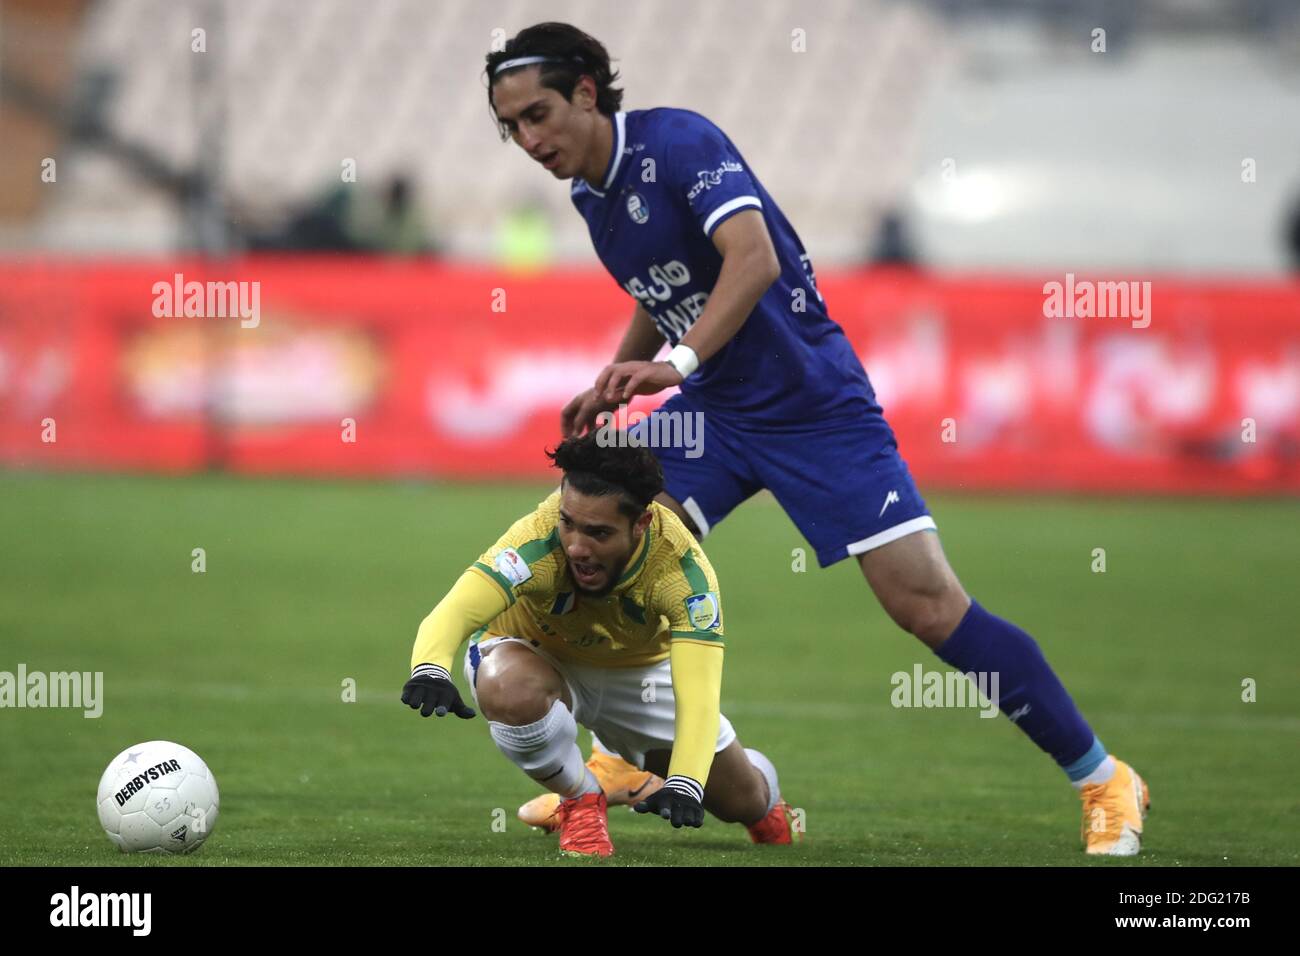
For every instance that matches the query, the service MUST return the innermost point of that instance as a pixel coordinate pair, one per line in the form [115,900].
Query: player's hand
[679,800]
[580,414]
[432,692]
[619,382]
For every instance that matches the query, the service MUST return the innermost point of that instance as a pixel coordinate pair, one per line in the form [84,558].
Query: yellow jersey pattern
[668,592]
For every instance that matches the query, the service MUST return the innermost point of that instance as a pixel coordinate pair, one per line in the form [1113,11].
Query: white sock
[1105,770]
[547,750]
[597,745]
[768,771]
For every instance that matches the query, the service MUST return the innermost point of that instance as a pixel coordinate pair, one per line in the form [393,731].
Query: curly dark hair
[582,55]
[600,463]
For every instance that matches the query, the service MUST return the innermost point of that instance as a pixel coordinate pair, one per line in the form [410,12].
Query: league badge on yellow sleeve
[703,611]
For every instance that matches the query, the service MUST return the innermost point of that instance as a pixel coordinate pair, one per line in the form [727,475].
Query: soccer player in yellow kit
[600,609]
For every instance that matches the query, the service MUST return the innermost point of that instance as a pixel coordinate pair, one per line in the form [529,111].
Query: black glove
[680,800]
[430,691]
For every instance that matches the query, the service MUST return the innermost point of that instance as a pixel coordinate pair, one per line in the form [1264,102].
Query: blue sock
[1030,693]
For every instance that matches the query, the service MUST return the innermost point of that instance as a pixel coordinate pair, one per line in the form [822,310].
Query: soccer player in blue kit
[683,223]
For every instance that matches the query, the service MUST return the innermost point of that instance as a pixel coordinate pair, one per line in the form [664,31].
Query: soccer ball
[157,797]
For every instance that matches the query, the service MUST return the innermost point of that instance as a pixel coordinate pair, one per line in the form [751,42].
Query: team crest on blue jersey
[703,611]
[638,209]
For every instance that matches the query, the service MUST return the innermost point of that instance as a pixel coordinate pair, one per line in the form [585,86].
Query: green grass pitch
[309,584]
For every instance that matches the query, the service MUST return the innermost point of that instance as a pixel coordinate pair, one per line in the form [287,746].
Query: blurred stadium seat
[1077,157]
[397,85]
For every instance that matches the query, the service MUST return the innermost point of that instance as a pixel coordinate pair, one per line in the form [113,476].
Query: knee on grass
[745,805]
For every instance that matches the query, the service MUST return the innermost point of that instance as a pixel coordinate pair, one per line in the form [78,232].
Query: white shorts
[631,709]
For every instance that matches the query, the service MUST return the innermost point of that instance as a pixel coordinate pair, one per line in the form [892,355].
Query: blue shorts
[841,481]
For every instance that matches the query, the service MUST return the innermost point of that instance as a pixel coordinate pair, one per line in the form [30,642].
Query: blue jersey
[672,179]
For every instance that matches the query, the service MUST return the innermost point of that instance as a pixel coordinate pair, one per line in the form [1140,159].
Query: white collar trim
[620,137]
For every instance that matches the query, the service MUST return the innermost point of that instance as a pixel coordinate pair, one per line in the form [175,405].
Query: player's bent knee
[747,808]
[737,791]
[917,588]
[930,615]
[929,623]
[514,687]
[513,704]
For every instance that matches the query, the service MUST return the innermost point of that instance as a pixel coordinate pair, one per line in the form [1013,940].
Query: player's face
[598,539]
[553,131]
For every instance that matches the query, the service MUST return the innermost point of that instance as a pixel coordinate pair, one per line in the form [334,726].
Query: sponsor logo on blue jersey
[708,178]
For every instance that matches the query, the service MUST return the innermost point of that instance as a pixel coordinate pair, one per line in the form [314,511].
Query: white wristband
[683,359]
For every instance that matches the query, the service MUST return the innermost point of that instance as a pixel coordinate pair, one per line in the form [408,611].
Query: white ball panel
[140,832]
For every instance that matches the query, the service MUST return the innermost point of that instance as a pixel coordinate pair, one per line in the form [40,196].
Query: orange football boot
[584,828]
[1113,813]
[623,785]
[777,827]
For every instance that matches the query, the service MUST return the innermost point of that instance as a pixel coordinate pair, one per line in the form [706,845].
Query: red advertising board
[338,366]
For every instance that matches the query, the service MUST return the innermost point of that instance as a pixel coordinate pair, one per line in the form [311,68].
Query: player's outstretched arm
[642,340]
[641,343]
[697,687]
[749,267]
[471,603]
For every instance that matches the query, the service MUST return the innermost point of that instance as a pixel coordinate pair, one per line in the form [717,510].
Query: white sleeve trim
[923,523]
[730,206]
[692,508]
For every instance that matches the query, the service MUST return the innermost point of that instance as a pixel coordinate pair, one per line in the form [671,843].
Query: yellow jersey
[665,605]
[667,592]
